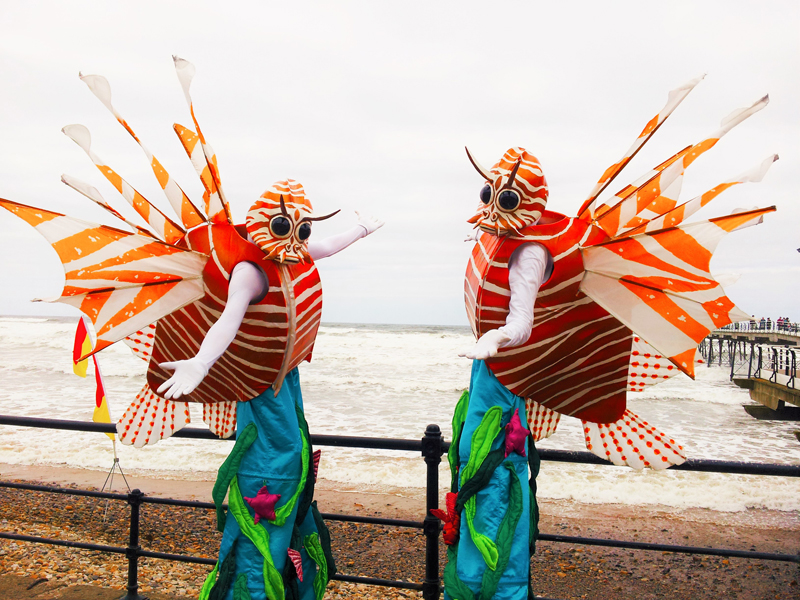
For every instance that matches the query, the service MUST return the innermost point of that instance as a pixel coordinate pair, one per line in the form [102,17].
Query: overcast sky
[370,105]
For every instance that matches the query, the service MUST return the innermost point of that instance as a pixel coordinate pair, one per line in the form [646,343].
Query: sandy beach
[559,570]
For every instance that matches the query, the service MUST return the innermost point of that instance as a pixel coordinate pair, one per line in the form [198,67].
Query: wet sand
[560,570]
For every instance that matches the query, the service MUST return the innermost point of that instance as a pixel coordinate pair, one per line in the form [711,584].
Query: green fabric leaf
[317,554]
[282,513]
[308,491]
[208,584]
[455,588]
[324,539]
[481,444]
[481,478]
[226,575]
[459,416]
[240,591]
[229,469]
[505,535]
[258,534]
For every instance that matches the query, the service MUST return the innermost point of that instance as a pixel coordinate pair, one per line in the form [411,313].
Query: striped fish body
[576,359]
[276,334]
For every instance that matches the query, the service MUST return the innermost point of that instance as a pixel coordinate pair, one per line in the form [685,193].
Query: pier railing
[432,446]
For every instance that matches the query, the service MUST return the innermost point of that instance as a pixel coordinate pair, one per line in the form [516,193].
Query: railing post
[432,452]
[132,551]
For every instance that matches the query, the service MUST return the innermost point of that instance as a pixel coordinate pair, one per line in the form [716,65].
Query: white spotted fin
[151,418]
[542,420]
[220,418]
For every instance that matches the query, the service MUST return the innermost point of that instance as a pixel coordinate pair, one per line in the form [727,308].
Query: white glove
[487,346]
[369,223]
[188,375]
[473,237]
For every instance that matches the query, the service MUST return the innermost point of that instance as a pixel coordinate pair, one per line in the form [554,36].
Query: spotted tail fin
[541,420]
[151,418]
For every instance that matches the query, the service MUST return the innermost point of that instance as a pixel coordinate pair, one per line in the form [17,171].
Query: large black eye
[486,194]
[508,199]
[280,226]
[304,231]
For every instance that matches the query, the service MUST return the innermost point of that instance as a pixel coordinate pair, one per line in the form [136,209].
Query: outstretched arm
[336,243]
[247,283]
[529,266]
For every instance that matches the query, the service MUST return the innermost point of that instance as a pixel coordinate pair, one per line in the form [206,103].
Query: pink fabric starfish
[516,435]
[264,505]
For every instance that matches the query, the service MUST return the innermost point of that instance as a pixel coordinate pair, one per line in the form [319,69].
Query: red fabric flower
[450,519]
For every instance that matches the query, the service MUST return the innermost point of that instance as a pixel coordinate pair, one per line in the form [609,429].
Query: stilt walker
[223,314]
[570,314]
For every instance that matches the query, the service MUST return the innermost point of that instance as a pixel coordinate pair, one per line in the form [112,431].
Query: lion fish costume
[162,288]
[625,300]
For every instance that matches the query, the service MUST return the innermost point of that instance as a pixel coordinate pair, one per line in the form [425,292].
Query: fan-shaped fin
[186,71]
[647,366]
[542,421]
[674,98]
[165,227]
[151,418]
[92,194]
[660,194]
[658,284]
[633,442]
[189,214]
[220,418]
[141,342]
[680,213]
[122,281]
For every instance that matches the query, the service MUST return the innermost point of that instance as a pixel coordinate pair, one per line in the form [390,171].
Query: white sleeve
[529,266]
[247,283]
[335,243]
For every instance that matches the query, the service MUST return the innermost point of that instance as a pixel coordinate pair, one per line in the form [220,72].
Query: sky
[370,104]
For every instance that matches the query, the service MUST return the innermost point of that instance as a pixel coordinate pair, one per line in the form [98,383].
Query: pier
[762,359]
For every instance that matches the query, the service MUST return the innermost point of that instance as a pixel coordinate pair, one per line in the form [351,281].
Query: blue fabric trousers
[274,460]
[485,392]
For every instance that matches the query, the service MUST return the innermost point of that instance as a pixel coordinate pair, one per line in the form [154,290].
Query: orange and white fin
[141,342]
[194,149]
[167,229]
[679,214]
[92,194]
[632,441]
[659,195]
[675,97]
[218,209]
[659,285]
[220,418]
[189,214]
[541,420]
[151,418]
[122,281]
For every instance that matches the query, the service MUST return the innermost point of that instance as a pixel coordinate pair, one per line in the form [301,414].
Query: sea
[392,381]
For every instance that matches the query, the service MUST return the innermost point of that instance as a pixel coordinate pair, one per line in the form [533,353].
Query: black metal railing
[759,325]
[432,446]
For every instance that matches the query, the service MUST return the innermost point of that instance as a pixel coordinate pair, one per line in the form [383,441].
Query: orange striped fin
[674,98]
[92,194]
[679,214]
[189,214]
[166,228]
[122,281]
[194,149]
[658,284]
[218,213]
[659,195]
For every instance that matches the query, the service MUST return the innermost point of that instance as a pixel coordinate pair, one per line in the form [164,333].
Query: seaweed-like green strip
[226,574]
[481,444]
[211,578]
[314,550]
[459,416]
[240,591]
[493,460]
[308,490]
[534,463]
[282,513]
[505,535]
[229,469]
[324,539]
[258,534]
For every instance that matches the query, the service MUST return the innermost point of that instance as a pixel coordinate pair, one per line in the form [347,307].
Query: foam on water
[392,381]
